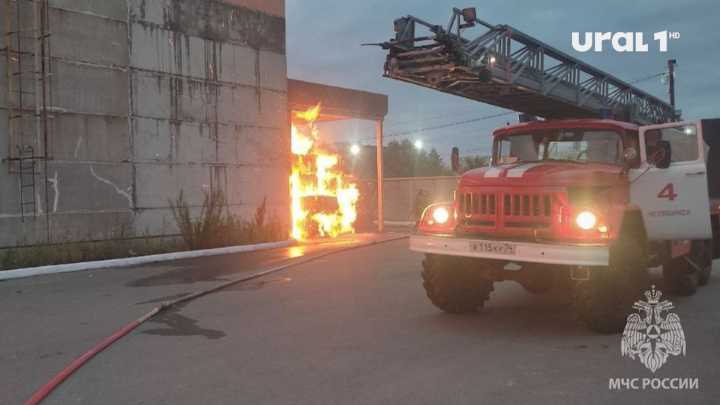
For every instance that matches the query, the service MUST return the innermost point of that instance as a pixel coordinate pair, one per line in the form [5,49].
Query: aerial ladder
[509,69]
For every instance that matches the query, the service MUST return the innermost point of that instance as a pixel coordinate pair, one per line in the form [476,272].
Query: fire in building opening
[323,199]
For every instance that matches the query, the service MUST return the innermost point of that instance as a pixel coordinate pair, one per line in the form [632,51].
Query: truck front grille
[476,204]
[524,205]
[505,210]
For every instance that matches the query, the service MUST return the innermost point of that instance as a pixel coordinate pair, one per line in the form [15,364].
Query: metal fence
[403,198]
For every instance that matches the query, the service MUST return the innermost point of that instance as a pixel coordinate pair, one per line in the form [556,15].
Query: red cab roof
[589,123]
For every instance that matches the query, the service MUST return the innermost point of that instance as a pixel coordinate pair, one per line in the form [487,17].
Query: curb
[132,261]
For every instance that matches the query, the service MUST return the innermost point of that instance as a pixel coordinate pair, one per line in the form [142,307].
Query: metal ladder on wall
[28,90]
[26,171]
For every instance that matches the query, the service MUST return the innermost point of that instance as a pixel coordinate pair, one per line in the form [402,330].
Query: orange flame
[316,175]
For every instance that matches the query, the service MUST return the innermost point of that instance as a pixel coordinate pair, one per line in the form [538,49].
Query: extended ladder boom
[507,68]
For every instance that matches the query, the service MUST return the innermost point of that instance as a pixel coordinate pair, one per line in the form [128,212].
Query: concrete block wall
[150,98]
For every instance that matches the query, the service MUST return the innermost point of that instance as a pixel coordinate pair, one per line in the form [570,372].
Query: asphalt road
[350,328]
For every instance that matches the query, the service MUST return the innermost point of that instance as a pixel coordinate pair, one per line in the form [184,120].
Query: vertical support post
[410,197]
[37,36]
[671,82]
[9,70]
[379,141]
[290,158]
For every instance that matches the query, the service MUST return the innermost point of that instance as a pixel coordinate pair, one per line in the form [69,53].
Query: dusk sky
[324,37]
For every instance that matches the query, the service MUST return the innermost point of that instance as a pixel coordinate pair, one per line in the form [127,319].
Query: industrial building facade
[110,108]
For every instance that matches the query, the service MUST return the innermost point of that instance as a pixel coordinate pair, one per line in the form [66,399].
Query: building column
[379,141]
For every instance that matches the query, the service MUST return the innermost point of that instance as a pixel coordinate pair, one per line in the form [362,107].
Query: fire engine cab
[585,204]
[609,184]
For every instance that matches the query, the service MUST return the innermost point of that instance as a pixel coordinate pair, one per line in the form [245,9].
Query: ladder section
[509,69]
[27,88]
[26,164]
[27,75]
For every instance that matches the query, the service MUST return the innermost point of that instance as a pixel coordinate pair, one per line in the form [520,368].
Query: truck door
[674,200]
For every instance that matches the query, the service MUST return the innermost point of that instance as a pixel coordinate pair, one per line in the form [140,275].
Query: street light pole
[671,81]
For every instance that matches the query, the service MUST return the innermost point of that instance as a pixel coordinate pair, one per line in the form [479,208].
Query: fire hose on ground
[75,365]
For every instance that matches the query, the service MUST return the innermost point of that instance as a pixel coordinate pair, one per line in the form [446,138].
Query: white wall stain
[120,191]
[39,203]
[77,147]
[54,181]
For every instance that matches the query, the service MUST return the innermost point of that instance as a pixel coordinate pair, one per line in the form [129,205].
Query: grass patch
[213,228]
[76,252]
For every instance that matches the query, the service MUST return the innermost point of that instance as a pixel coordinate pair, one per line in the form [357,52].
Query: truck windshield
[597,146]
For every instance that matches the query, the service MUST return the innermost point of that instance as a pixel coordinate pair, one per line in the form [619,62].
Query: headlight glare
[586,220]
[441,215]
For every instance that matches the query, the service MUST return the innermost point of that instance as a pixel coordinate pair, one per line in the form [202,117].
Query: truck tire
[706,258]
[681,277]
[604,301]
[455,284]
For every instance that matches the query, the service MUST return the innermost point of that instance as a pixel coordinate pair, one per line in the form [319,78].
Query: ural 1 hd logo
[631,41]
[650,337]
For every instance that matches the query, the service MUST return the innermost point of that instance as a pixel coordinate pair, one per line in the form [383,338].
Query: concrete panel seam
[67,10]
[208,164]
[59,111]
[205,81]
[172,164]
[88,162]
[123,69]
[131,101]
[78,62]
[204,122]
[151,25]
[165,208]
[73,212]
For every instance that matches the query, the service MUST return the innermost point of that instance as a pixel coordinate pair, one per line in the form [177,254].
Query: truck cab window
[525,148]
[596,146]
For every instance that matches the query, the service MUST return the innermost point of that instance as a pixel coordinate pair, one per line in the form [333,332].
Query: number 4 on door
[668,192]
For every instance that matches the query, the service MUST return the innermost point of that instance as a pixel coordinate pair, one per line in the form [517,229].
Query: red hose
[52,384]
[58,379]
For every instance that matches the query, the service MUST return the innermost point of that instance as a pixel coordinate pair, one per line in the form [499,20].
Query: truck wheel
[682,277]
[455,284]
[538,279]
[605,300]
[706,259]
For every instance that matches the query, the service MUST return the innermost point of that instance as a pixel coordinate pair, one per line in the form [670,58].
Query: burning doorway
[324,199]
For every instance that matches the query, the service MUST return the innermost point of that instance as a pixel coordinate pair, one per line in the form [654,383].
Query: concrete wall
[150,98]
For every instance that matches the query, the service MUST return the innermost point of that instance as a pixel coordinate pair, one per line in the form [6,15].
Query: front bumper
[576,255]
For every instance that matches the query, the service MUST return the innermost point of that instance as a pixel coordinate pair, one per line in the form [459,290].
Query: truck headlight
[441,215]
[586,220]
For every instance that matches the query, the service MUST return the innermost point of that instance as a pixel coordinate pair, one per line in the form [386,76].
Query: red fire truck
[585,204]
[577,200]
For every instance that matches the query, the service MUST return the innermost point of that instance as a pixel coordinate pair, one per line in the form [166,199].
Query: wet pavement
[349,328]
[46,322]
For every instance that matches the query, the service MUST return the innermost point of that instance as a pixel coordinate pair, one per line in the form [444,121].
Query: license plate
[492,247]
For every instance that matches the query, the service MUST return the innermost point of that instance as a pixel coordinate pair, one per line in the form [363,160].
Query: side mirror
[662,155]
[630,154]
